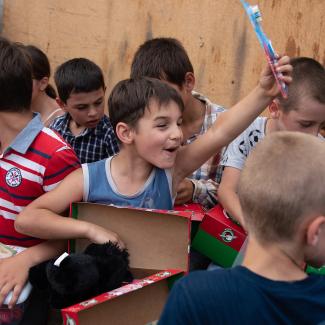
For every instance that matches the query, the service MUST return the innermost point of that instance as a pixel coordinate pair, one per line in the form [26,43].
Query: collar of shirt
[26,137]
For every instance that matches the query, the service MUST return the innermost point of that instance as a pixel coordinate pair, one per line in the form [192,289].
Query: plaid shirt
[205,178]
[92,144]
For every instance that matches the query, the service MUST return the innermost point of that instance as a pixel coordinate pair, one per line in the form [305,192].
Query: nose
[176,133]
[92,111]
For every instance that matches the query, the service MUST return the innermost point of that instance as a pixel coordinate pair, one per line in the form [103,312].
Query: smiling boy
[146,115]
[85,127]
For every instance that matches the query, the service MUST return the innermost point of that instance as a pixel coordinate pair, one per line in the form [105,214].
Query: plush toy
[76,277]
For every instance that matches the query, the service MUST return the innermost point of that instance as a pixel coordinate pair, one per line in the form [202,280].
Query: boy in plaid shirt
[81,89]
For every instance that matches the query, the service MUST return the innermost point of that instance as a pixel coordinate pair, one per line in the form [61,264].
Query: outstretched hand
[267,80]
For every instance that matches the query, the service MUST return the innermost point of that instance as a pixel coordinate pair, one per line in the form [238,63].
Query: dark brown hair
[162,58]
[131,97]
[15,77]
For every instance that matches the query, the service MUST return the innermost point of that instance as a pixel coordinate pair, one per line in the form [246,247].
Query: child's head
[165,59]
[304,110]
[41,72]
[281,191]
[15,78]
[148,113]
[81,89]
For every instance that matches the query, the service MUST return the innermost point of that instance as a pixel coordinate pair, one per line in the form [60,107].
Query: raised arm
[230,123]
[42,218]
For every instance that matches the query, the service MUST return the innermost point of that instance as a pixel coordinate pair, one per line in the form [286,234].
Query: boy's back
[286,229]
[239,296]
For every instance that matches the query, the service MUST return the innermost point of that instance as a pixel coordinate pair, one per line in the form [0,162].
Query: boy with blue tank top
[146,115]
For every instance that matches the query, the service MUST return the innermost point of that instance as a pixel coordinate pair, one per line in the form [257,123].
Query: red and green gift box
[219,238]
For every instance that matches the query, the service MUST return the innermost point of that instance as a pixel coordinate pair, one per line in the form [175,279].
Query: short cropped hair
[16,83]
[281,184]
[78,75]
[162,58]
[41,67]
[131,97]
[308,79]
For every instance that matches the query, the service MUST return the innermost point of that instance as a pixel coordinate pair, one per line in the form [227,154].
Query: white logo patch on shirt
[13,177]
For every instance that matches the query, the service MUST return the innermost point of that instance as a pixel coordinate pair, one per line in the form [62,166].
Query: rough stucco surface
[216,33]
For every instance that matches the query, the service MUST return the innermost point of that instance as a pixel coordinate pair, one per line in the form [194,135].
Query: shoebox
[158,243]
[219,238]
[197,214]
[313,270]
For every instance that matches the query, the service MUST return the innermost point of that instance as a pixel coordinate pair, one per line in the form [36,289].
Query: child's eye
[98,103]
[306,124]
[81,107]
[161,125]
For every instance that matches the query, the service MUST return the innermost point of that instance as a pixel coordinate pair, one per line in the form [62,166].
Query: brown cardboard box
[158,243]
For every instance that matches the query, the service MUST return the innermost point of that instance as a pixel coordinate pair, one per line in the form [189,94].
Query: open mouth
[171,150]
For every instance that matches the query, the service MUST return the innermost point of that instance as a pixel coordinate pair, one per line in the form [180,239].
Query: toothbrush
[255,18]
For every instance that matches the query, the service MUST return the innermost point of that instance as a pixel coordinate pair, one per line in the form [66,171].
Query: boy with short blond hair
[147,116]
[284,212]
[81,89]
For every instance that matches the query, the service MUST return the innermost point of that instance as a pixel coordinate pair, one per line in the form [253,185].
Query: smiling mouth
[171,149]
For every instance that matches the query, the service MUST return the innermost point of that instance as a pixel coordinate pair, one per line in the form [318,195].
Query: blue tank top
[99,187]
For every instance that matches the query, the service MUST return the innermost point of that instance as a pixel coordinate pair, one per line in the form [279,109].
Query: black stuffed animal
[80,276]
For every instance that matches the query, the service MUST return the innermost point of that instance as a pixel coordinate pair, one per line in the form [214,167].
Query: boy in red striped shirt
[33,160]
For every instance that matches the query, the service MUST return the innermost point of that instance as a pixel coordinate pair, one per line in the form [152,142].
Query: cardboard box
[158,244]
[313,270]
[219,238]
[198,212]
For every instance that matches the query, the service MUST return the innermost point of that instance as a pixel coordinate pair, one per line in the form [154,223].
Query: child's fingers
[283,60]
[287,68]
[286,79]
[15,295]
[4,292]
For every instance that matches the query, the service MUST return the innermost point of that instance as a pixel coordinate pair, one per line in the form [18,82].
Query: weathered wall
[217,34]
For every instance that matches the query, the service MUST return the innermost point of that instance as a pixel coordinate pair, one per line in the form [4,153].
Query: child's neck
[75,128]
[273,262]
[193,117]
[44,105]
[11,124]
[129,172]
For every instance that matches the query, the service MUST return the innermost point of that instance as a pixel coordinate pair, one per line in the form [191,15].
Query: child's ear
[43,83]
[60,103]
[315,230]
[189,82]
[124,132]
[274,109]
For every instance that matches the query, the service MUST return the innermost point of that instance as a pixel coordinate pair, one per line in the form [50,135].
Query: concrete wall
[217,34]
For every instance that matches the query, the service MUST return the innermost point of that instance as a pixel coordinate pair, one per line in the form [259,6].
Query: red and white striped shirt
[36,162]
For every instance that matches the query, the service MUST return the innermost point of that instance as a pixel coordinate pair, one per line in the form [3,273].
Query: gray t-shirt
[239,149]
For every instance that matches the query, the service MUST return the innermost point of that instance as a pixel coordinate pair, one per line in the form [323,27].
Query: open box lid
[155,240]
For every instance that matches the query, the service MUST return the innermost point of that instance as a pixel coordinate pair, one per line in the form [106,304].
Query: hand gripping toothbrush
[255,17]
